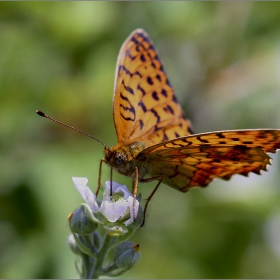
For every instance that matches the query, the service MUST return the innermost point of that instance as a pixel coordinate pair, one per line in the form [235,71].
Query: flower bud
[82,220]
[73,245]
[126,255]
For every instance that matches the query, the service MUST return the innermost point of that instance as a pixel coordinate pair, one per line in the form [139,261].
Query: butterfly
[155,139]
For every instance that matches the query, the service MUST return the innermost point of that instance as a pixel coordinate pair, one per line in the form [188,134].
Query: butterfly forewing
[195,160]
[145,106]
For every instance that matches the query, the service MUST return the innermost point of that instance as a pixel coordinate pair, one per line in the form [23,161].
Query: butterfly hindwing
[195,160]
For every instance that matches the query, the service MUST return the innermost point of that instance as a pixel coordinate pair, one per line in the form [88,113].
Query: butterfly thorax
[122,157]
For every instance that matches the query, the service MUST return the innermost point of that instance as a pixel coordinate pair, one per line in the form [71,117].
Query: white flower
[122,205]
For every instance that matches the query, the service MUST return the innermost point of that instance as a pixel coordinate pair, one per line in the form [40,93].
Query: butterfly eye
[120,158]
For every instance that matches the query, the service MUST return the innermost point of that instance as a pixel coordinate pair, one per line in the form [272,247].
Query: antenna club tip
[40,113]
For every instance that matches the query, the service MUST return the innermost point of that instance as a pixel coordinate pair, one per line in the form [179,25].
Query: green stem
[97,268]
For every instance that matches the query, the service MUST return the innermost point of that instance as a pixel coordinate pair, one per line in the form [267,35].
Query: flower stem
[97,268]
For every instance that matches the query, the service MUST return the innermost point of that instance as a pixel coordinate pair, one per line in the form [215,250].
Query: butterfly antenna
[40,113]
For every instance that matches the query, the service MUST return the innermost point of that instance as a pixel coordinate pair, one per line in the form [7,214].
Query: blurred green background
[223,60]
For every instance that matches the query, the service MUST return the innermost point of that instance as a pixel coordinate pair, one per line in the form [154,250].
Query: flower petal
[117,188]
[89,197]
[113,210]
[134,206]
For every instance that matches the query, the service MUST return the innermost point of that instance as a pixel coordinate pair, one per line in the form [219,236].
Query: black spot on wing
[202,140]
[122,68]
[143,37]
[127,53]
[149,80]
[164,92]
[139,47]
[128,89]
[151,47]
[133,39]
[167,82]
[156,115]
[156,57]
[190,130]
[234,158]
[137,73]
[141,124]
[155,95]
[158,77]
[168,109]
[130,109]
[141,89]
[142,105]
[241,147]
[220,135]
[174,98]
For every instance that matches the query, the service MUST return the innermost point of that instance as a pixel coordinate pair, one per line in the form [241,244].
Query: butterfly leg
[151,195]
[111,182]
[135,189]
[99,176]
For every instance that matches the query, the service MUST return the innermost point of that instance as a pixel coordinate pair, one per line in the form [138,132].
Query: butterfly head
[115,157]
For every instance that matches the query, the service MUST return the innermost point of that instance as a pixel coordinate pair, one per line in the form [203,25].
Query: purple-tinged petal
[112,211]
[89,197]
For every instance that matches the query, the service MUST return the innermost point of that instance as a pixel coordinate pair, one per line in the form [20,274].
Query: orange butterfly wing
[155,138]
[195,160]
[145,106]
